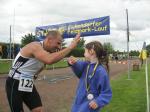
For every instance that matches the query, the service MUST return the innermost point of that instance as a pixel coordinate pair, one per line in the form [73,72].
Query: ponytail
[104,60]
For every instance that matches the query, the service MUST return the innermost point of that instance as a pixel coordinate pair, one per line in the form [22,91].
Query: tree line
[77,52]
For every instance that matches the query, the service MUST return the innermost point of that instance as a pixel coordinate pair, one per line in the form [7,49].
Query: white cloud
[25,15]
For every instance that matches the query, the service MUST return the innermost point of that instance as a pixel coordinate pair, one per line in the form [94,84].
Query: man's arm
[50,58]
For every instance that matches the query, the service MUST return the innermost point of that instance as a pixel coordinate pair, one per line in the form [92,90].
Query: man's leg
[37,109]
[13,95]
[33,100]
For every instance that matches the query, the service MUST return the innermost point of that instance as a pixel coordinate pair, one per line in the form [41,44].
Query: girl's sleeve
[105,89]
[78,68]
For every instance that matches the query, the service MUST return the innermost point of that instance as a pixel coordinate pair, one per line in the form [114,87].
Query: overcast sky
[25,15]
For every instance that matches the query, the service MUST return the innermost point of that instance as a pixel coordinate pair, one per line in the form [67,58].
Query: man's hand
[75,42]
[72,60]
[93,105]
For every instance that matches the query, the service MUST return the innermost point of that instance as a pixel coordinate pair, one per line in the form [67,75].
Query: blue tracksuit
[99,87]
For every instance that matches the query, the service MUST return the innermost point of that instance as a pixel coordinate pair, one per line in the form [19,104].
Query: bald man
[27,64]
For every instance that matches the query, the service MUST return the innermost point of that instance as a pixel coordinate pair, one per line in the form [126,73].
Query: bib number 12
[25,84]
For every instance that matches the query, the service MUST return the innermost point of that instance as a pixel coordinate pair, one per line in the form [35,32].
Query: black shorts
[16,98]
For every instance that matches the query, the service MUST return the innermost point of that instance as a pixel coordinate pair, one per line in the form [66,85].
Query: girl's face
[87,54]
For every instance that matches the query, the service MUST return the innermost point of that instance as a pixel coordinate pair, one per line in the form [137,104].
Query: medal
[90,96]
[87,84]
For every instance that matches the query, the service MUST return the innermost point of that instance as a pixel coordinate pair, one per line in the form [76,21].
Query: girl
[94,90]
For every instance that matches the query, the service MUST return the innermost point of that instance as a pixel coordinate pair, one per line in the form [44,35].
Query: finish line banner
[91,27]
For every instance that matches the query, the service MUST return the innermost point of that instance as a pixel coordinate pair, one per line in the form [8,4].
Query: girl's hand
[93,105]
[72,60]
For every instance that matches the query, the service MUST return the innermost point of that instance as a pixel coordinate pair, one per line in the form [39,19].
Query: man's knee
[38,109]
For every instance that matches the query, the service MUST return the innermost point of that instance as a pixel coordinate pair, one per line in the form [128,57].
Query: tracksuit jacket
[99,87]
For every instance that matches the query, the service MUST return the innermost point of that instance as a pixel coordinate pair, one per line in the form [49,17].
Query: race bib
[25,84]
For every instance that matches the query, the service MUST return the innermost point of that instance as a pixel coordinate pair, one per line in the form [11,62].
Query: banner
[91,27]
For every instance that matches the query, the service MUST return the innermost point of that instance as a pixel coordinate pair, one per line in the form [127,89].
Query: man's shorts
[16,98]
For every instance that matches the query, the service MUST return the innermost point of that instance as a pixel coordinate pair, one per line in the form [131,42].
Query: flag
[143,53]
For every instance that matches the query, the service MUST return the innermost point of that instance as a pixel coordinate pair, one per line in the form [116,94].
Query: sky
[25,15]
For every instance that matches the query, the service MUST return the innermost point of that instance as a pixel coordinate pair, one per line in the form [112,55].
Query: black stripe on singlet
[19,62]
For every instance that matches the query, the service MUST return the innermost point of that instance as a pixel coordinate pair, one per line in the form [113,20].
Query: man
[27,64]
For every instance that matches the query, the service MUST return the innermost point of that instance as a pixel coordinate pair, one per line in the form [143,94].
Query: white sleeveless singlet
[25,65]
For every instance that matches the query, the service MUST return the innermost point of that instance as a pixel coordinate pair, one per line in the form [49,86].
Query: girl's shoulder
[100,67]
[101,70]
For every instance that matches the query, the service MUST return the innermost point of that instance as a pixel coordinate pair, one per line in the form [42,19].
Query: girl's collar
[91,63]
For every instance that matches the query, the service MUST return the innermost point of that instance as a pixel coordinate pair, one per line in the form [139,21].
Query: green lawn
[60,64]
[5,66]
[128,95]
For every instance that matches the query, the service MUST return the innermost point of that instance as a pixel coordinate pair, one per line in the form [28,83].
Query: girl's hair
[101,54]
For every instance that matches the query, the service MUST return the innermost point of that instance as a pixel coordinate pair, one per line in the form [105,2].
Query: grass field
[5,66]
[128,95]
[60,64]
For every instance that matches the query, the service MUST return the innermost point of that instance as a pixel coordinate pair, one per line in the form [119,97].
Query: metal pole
[128,45]
[13,34]
[10,44]
[147,90]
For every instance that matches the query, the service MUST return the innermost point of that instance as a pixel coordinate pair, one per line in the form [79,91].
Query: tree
[27,39]
[79,50]
[81,43]
[134,53]
[107,46]
[148,49]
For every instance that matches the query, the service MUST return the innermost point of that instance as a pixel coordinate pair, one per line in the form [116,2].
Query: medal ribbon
[86,79]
